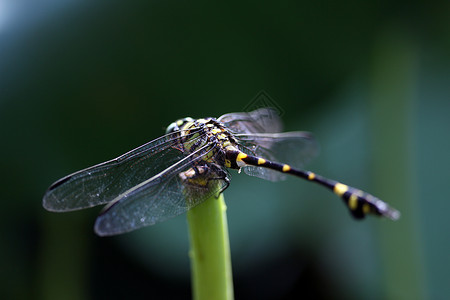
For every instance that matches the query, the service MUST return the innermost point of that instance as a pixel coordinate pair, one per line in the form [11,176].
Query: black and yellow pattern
[173,173]
[358,202]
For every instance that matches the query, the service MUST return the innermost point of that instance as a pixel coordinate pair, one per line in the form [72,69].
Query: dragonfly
[189,164]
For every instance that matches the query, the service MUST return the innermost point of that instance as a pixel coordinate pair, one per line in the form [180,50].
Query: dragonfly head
[179,124]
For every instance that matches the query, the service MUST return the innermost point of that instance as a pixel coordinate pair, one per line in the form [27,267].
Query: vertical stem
[210,250]
[393,92]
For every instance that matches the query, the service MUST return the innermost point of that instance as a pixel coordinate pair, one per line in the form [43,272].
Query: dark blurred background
[82,82]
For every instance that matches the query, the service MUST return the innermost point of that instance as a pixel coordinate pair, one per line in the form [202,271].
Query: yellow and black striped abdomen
[358,202]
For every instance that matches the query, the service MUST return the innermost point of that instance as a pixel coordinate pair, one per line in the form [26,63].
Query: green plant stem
[210,250]
[394,84]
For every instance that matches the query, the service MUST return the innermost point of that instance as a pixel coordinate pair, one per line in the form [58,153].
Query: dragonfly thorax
[207,135]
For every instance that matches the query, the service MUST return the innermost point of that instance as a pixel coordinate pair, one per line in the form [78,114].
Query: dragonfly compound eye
[178,125]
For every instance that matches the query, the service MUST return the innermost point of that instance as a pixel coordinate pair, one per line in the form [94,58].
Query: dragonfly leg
[221,175]
[202,176]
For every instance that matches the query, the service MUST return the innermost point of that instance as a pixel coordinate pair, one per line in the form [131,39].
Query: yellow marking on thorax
[261,161]
[340,189]
[216,131]
[311,176]
[227,163]
[353,202]
[286,168]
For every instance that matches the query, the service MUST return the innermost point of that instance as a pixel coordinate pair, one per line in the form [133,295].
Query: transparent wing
[257,121]
[293,148]
[163,196]
[104,182]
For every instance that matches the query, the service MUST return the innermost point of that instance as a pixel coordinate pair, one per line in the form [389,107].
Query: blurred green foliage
[82,82]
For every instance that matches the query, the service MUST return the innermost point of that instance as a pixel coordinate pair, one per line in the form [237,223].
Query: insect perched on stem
[175,172]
